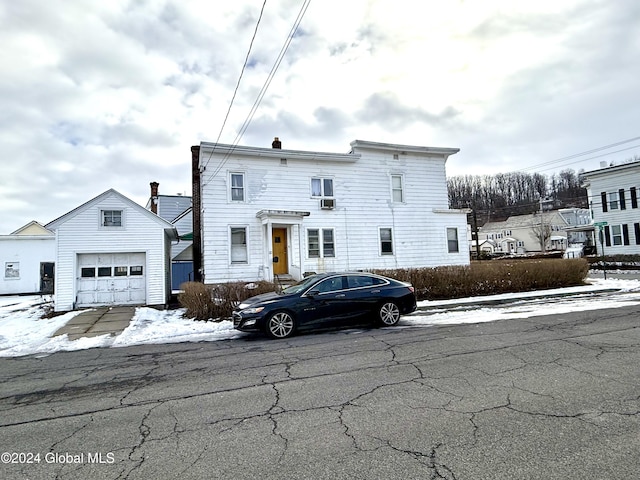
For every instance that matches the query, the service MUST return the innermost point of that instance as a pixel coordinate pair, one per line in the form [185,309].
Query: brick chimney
[154,197]
[276,143]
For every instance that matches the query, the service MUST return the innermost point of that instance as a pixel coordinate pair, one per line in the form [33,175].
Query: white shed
[112,251]
[27,258]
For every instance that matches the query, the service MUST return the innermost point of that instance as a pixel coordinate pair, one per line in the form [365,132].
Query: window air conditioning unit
[327,204]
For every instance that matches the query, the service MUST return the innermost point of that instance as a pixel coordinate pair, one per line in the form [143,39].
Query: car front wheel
[280,325]
[388,314]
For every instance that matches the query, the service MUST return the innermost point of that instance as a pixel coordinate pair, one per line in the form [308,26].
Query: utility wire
[246,61]
[588,152]
[260,96]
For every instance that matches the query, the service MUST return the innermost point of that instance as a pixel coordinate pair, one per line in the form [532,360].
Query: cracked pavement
[555,397]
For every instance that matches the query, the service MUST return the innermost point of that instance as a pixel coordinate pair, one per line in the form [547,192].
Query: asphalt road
[554,397]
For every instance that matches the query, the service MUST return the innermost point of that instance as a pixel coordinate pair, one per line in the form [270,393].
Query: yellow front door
[279,244]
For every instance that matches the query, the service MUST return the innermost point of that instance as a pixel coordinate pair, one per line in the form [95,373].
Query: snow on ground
[24,332]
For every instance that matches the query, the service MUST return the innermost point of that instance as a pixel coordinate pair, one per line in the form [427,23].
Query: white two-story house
[613,196]
[266,213]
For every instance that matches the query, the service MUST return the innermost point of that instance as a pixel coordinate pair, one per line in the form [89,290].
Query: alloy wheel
[280,325]
[389,314]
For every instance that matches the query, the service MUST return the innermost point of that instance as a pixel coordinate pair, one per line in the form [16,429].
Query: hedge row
[491,278]
[206,302]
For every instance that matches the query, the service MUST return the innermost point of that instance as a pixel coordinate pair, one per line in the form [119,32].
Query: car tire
[388,314]
[280,325]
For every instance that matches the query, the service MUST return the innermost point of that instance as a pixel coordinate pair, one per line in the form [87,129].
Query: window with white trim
[111,218]
[397,190]
[386,241]
[12,270]
[614,199]
[239,245]
[317,248]
[616,234]
[452,240]
[322,187]
[237,187]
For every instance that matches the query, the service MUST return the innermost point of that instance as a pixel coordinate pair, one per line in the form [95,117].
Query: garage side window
[111,218]
[12,270]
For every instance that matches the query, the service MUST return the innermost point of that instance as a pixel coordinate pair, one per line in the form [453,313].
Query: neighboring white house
[520,234]
[613,197]
[27,259]
[112,251]
[177,210]
[269,212]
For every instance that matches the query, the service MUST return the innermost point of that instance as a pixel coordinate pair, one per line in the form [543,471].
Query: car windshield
[302,285]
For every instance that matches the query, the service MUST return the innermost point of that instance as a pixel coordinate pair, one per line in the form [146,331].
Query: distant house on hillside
[522,234]
[177,210]
[266,213]
[613,197]
[27,259]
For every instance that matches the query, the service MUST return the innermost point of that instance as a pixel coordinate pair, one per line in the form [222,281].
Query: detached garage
[112,251]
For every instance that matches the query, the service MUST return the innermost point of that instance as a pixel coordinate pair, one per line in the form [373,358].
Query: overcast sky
[112,94]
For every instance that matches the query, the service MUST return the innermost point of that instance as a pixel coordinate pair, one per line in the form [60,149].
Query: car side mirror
[313,293]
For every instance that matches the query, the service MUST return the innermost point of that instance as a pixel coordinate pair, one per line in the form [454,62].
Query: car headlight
[252,310]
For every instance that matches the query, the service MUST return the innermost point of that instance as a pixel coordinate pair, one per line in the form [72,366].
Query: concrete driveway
[99,321]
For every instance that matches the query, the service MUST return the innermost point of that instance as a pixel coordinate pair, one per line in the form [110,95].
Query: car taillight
[411,289]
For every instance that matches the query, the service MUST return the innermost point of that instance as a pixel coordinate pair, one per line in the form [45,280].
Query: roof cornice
[207,149]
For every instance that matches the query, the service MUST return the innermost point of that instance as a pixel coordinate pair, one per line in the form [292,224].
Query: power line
[263,91]
[246,61]
[592,158]
[588,152]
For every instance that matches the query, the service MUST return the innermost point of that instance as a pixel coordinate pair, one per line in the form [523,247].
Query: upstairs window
[237,187]
[322,187]
[613,201]
[397,190]
[111,218]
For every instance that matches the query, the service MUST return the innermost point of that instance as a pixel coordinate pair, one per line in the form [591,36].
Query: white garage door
[111,279]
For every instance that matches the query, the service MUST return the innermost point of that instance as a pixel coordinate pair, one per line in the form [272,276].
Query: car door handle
[340,295]
[375,291]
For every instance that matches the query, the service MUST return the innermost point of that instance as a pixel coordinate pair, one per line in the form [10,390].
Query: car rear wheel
[280,325]
[388,314]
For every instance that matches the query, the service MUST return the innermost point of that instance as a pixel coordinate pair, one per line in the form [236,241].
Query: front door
[279,244]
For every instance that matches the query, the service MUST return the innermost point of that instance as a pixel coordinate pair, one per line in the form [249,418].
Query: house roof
[612,169]
[398,148]
[207,149]
[170,229]
[32,228]
[353,156]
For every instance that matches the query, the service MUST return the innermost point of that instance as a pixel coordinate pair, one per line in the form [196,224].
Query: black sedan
[324,300]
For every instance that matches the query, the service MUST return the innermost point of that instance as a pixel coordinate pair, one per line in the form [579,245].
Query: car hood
[263,298]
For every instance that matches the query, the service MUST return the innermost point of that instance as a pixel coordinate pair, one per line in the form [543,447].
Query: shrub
[216,302]
[490,278]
